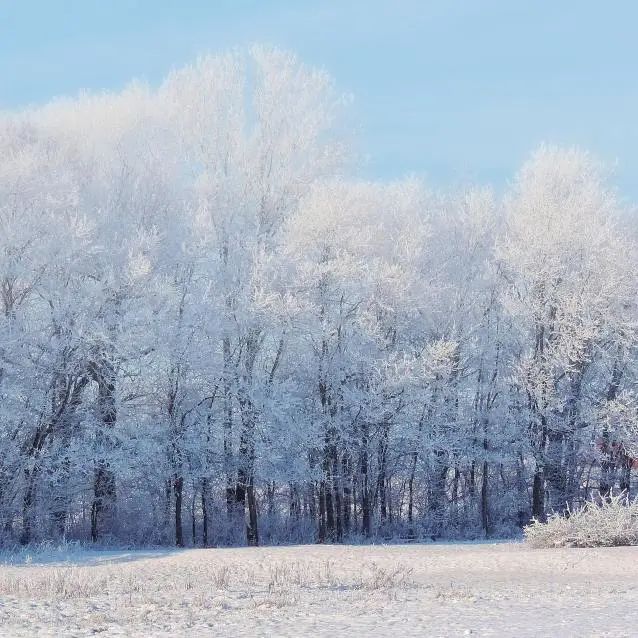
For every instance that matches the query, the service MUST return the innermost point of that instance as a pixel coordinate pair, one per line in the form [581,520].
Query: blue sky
[455,90]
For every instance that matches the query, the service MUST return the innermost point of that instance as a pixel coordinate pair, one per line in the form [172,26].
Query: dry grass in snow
[431,590]
[607,523]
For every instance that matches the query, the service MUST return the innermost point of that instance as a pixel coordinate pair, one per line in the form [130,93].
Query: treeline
[211,333]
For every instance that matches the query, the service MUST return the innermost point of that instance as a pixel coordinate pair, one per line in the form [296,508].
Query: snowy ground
[419,590]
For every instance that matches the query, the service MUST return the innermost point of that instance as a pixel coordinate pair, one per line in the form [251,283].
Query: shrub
[605,523]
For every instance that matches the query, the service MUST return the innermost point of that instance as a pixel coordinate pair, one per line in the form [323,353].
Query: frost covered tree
[213,332]
[569,283]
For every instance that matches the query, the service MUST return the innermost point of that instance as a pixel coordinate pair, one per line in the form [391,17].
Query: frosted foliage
[212,332]
[610,523]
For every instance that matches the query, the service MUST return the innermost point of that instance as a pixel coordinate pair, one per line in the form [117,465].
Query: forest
[213,331]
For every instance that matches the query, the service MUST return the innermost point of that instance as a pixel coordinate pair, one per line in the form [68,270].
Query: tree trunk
[244,490]
[60,499]
[381,480]
[104,490]
[204,501]
[178,485]
[625,475]
[228,433]
[338,501]
[193,520]
[411,493]
[28,504]
[485,512]
[252,532]
[609,462]
[322,513]
[366,514]
[437,496]
[538,496]
[345,481]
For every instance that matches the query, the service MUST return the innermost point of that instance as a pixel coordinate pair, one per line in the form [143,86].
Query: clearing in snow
[503,589]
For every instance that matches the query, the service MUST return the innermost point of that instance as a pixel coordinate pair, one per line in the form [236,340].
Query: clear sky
[455,90]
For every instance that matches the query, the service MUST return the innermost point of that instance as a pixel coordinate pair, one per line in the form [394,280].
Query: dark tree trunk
[411,492]
[245,490]
[366,514]
[355,511]
[330,519]
[178,488]
[437,494]
[345,480]
[538,496]
[472,481]
[607,471]
[625,476]
[228,433]
[193,520]
[485,511]
[338,500]
[168,525]
[239,492]
[322,513]
[523,511]
[60,511]
[28,504]
[294,508]
[103,499]
[270,495]
[252,531]
[204,502]
[608,465]
[104,489]
[381,480]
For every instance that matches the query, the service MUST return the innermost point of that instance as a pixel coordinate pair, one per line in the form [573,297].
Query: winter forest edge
[212,334]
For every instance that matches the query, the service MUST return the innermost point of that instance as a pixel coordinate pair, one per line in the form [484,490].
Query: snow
[503,589]
[70,555]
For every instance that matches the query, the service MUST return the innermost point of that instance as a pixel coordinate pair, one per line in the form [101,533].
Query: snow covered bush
[608,523]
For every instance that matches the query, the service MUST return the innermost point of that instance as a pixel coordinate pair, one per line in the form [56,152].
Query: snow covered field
[420,590]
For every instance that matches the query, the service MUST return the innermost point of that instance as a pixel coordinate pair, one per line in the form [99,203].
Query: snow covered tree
[212,331]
